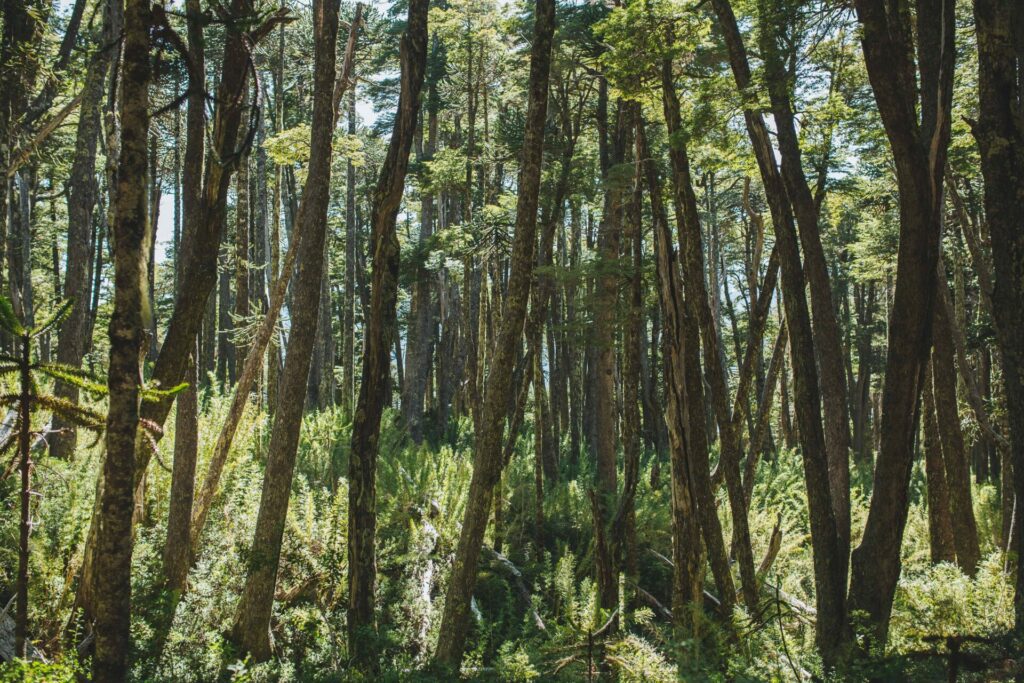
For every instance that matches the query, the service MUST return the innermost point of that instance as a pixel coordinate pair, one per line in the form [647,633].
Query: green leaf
[76,414]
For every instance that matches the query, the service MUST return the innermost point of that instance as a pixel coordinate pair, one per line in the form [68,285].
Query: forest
[511,340]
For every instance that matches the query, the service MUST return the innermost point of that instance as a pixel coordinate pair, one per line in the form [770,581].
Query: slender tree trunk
[380,334]
[242,247]
[828,344]
[612,135]
[954,454]
[132,233]
[830,564]
[940,519]
[420,345]
[251,631]
[72,342]
[687,549]
[692,249]
[487,463]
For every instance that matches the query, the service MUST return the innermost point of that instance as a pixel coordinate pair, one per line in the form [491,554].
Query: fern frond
[72,412]
[154,395]
[62,312]
[8,320]
[72,375]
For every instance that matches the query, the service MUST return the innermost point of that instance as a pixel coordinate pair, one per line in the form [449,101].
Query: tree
[1000,137]
[251,631]
[131,235]
[380,330]
[918,148]
[27,371]
[487,460]
[72,342]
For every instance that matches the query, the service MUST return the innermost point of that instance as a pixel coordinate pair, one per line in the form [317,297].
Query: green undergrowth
[421,496]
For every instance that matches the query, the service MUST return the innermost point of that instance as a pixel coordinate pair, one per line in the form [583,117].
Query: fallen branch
[512,572]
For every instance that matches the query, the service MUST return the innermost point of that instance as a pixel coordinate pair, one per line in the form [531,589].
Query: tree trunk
[954,454]
[487,463]
[940,519]
[612,136]
[251,631]
[1000,136]
[830,564]
[692,249]
[687,549]
[919,151]
[72,342]
[242,255]
[420,345]
[827,337]
[131,232]
[380,335]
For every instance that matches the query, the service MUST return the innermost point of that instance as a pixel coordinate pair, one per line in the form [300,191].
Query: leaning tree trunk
[1000,135]
[72,342]
[806,209]
[951,438]
[692,250]
[830,563]
[251,631]
[488,453]
[919,153]
[131,232]
[379,339]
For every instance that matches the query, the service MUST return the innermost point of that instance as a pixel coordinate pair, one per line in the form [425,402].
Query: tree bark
[251,631]
[487,463]
[72,342]
[687,549]
[940,519]
[692,249]
[951,438]
[919,152]
[131,232]
[1000,136]
[806,207]
[830,564]
[377,344]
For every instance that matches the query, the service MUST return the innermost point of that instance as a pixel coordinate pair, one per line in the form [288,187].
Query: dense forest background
[640,340]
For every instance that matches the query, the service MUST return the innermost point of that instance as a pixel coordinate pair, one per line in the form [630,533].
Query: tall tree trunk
[806,207]
[132,233]
[379,338]
[420,345]
[919,153]
[830,564]
[251,629]
[242,248]
[1000,135]
[687,549]
[951,438]
[487,463]
[72,342]
[864,302]
[692,249]
[612,135]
